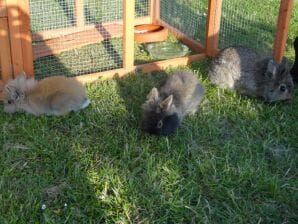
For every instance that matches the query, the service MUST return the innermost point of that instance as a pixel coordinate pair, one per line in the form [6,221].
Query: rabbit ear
[153,95]
[21,77]
[271,69]
[167,103]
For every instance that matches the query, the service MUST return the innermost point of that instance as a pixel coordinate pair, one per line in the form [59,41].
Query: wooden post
[128,36]
[281,34]
[79,13]
[20,36]
[5,54]
[3,11]
[14,24]
[155,11]
[26,38]
[213,27]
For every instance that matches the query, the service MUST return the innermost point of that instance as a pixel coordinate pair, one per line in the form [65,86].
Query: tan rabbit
[57,95]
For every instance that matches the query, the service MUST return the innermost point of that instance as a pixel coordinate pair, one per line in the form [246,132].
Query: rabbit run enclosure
[95,38]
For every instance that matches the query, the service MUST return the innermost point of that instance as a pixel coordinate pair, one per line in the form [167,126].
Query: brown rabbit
[57,95]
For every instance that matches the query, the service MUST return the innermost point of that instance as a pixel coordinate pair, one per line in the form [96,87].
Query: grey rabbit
[56,95]
[165,107]
[247,72]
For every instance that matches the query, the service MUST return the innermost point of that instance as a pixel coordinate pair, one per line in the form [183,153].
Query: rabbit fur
[57,95]
[294,69]
[251,74]
[166,106]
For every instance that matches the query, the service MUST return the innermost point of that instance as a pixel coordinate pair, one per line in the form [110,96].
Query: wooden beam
[79,13]
[26,38]
[149,67]
[76,40]
[174,62]
[213,27]
[155,11]
[193,44]
[14,24]
[55,33]
[5,54]
[128,35]
[3,10]
[281,34]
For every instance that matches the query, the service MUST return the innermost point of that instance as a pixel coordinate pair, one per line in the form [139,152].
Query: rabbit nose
[282,88]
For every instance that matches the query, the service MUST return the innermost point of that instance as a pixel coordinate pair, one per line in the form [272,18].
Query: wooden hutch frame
[16,50]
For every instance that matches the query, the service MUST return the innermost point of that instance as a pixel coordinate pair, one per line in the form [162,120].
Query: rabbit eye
[282,88]
[159,124]
[10,101]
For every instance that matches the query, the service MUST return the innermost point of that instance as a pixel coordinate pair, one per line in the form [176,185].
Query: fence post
[128,36]
[155,11]
[26,37]
[20,36]
[281,34]
[5,54]
[213,27]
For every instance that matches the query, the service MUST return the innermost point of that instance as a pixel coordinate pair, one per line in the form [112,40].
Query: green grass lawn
[235,161]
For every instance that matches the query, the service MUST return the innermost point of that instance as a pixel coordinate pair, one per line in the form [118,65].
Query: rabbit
[247,72]
[294,69]
[55,95]
[165,107]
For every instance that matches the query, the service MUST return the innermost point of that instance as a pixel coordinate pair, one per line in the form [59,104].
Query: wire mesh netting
[249,23]
[188,16]
[142,8]
[73,37]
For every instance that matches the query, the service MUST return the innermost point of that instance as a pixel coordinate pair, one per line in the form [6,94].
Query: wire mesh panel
[142,8]
[73,37]
[249,23]
[188,16]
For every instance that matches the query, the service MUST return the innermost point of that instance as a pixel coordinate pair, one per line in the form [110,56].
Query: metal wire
[188,16]
[249,23]
[95,46]
[142,8]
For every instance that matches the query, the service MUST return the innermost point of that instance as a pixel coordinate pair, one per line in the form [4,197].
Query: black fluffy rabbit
[294,70]
[179,95]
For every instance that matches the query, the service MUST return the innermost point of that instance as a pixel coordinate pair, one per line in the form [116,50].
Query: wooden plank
[213,27]
[79,13]
[3,10]
[5,54]
[26,38]
[285,10]
[155,11]
[128,35]
[50,34]
[149,67]
[76,40]
[14,24]
[193,44]
[161,65]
